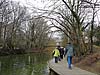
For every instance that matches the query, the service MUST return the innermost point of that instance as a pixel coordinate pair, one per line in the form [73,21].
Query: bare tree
[69,17]
[12,19]
[39,31]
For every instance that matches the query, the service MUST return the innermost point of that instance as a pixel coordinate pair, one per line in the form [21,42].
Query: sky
[36,3]
[41,4]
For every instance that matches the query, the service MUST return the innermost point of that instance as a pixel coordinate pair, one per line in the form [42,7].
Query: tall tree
[69,16]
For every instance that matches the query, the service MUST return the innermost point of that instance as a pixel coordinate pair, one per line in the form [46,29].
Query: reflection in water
[0,66]
[29,59]
[28,64]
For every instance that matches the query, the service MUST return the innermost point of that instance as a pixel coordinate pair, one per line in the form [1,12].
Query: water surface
[27,64]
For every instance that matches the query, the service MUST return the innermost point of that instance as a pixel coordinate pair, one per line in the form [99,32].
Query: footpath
[61,68]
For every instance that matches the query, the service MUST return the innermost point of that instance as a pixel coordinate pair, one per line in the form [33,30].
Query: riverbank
[4,52]
[90,62]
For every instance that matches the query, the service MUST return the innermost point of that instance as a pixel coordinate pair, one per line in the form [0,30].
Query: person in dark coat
[62,52]
[59,48]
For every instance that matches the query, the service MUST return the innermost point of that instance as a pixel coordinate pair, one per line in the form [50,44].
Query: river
[26,64]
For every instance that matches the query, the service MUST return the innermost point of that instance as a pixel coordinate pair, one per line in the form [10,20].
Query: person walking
[56,54]
[62,52]
[59,48]
[69,51]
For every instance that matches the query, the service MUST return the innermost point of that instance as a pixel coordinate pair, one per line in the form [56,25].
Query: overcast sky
[41,4]
[35,3]
[45,3]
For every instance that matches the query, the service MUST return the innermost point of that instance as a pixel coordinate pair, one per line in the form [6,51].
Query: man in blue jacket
[69,51]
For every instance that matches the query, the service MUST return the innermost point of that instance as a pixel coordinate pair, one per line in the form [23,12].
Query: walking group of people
[60,52]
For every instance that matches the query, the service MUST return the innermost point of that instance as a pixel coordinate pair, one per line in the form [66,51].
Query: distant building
[87,39]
